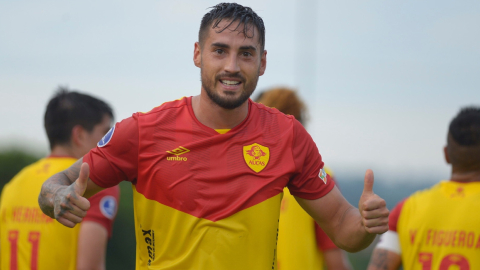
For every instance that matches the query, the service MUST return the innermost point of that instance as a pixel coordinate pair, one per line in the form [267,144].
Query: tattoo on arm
[53,184]
[379,259]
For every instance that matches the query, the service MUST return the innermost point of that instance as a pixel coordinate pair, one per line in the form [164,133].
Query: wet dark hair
[237,14]
[464,139]
[67,109]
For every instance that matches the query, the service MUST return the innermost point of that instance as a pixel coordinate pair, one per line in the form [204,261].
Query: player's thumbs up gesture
[69,205]
[372,208]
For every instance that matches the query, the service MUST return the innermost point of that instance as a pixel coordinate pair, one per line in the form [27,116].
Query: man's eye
[219,51]
[246,54]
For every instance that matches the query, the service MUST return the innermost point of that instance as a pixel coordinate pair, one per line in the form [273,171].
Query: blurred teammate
[439,228]
[208,171]
[74,123]
[302,244]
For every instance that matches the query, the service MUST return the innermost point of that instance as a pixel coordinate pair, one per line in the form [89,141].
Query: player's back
[30,239]
[440,227]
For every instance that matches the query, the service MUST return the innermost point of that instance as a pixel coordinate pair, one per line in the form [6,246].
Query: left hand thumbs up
[373,209]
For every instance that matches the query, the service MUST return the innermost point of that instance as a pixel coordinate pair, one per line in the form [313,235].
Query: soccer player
[74,123]
[302,244]
[208,171]
[439,228]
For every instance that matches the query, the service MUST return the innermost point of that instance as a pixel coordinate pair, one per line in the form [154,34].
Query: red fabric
[323,241]
[394,215]
[306,183]
[212,180]
[95,214]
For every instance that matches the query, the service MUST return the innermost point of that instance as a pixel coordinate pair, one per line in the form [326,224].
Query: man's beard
[225,102]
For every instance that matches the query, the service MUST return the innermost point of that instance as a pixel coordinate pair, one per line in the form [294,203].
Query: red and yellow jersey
[30,239]
[439,228]
[301,241]
[205,200]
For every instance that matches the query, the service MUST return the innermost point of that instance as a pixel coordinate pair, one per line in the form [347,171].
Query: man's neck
[216,117]
[65,151]
[472,176]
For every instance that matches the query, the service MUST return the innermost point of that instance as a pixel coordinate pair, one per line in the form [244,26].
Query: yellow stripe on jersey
[297,246]
[26,231]
[439,228]
[174,240]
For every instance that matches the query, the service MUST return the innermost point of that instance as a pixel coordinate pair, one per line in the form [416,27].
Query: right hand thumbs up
[70,205]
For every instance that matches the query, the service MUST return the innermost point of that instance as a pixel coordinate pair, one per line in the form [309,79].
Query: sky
[381,79]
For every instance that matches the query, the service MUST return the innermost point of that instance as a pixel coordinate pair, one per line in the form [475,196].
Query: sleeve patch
[108,206]
[323,176]
[104,141]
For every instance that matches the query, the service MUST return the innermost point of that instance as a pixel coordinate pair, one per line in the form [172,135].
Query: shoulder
[166,106]
[271,112]
[395,215]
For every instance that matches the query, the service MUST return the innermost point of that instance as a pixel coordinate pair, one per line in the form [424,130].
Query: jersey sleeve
[394,215]
[116,156]
[103,208]
[310,181]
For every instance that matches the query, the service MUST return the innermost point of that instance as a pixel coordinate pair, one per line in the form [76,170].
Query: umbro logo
[177,152]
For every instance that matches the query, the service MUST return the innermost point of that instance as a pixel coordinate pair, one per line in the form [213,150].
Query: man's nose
[231,66]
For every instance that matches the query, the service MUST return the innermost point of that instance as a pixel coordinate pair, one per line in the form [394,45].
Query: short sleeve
[103,208]
[394,215]
[310,181]
[116,156]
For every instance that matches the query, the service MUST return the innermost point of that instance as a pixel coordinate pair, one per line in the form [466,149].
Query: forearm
[49,188]
[350,233]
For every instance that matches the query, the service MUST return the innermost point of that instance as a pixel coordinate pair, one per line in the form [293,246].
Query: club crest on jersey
[256,156]
[108,206]
[106,138]
[323,176]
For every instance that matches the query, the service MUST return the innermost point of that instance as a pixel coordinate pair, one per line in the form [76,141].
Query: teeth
[230,82]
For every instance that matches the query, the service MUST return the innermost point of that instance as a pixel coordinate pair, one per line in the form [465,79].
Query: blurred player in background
[439,228]
[302,244]
[74,123]
[208,171]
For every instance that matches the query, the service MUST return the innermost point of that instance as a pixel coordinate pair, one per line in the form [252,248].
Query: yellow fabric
[23,223]
[297,246]
[440,227]
[222,131]
[184,241]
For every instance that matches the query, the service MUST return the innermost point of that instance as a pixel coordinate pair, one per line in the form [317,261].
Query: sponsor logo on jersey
[256,156]
[108,206]
[323,176]
[106,138]
[177,152]
[149,236]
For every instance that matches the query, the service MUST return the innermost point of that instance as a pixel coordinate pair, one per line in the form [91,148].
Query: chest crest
[256,156]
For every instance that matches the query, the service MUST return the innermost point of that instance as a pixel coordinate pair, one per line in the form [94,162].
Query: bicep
[92,244]
[327,211]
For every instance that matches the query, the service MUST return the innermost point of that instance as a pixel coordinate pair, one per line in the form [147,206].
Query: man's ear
[445,153]
[263,63]
[197,55]
[77,136]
